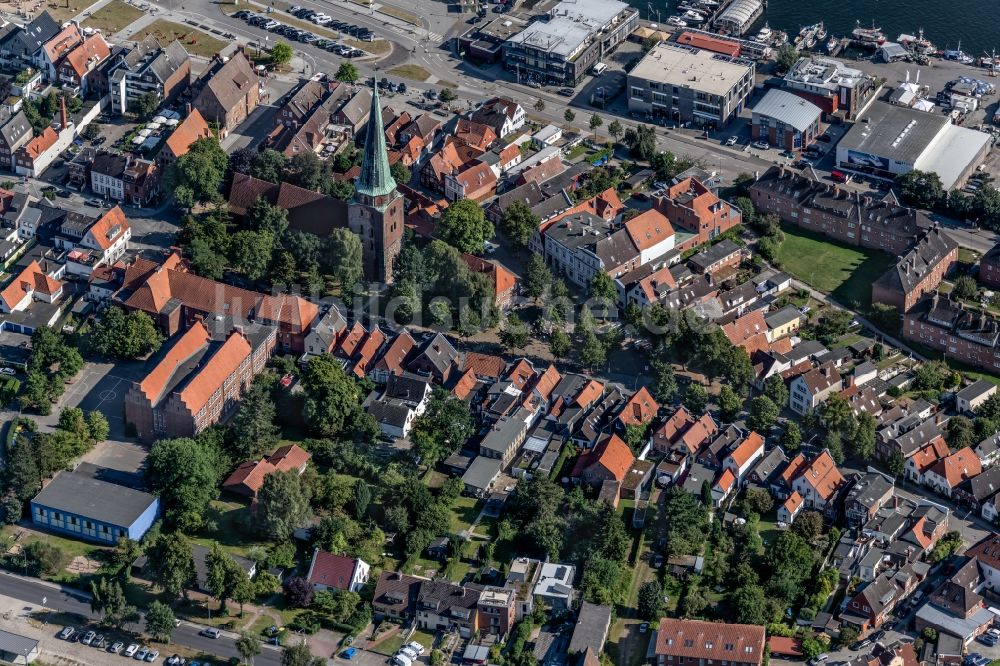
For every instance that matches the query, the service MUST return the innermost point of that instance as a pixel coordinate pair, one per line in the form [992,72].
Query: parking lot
[272,23]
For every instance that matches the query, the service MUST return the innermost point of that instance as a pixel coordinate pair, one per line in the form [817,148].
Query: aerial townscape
[507,333]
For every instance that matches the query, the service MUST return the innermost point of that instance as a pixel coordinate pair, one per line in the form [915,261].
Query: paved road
[73,601]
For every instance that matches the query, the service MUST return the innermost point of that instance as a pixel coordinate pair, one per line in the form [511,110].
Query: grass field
[194,41]
[846,273]
[113,17]
[463,513]
[412,72]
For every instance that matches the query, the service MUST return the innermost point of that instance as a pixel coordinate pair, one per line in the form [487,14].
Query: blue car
[349,653]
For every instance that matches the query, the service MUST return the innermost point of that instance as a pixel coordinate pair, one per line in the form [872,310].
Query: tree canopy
[464,226]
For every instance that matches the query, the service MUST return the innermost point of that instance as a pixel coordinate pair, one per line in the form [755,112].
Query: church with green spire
[376,212]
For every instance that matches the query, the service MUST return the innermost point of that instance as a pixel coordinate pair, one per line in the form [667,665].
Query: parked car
[819,659]
[416,647]
[732,141]
[349,653]
[131,650]
[838,177]
[761,145]
[88,638]
[644,627]
[861,644]
[116,647]
[98,642]
[141,654]
[408,652]
[152,655]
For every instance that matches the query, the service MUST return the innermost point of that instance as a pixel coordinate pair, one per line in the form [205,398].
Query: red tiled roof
[32,278]
[212,375]
[615,455]
[589,393]
[289,309]
[649,228]
[367,352]
[87,55]
[700,432]
[793,503]
[699,640]
[747,448]
[959,466]
[726,481]
[41,143]
[190,342]
[248,477]
[289,457]
[349,345]
[484,365]
[640,408]
[521,373]
[190,130]
[925,458]
[784,645]
[109,228]
[673,427]
[823,475]
[465,385]
[331,570]
[547,382]
[396,353]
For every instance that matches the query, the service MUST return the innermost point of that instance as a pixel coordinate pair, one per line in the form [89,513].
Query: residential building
[831,85]
[870,607]
[437,358]
[838,213]
[31,284]
[610,460]
[87,508]
[809,390]
[562,49]
[711,260]
[966,336]
[956,607]
[688,85]
[228,92]
[948,472]
[554,586]
[248,478]
[988,450]
[144,68]
[496,610]
[35,156]
[746,454]
[969,399]
[819,481]
[502,115]
[790,508]
[640,409]
[783,322]
[21,45]
[182,138]
[15,131]
[337,572]
[694,641]
[591,630]
[989,264]
[923,459]
[445,606]
[197,381]
[78,68]
[868,494]
[918,272]
[693,207]
[785,121]
[395,596]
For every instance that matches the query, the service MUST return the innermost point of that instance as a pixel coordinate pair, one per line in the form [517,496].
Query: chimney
[63,116]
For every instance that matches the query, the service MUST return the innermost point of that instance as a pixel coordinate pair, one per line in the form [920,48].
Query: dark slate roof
[925,255]
[97,500]
[770,465]
[16,644]
[983,486]
[715,253]
[15,128]
[39,31]
[591,629]
[869,489]
[440,352]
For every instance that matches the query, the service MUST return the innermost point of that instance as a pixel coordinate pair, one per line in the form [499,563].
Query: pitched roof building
[689,641]
[918,272]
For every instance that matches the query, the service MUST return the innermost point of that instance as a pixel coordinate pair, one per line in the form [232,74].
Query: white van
[598,69]
[401,660]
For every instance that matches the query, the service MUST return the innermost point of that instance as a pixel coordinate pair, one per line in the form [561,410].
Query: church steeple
[376,181]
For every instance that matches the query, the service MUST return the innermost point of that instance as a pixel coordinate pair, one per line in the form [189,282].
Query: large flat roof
[690,68]
[561,36]
[595,13]
[94,499]
[951,153]
[894,132]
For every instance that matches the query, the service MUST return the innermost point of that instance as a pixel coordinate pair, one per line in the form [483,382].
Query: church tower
[376,212]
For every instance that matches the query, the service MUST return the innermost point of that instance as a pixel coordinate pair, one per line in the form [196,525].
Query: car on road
[732,141]
[116,647]
[210,632]
[349,653]
[131,650]
[88,638]
[761,145]
[838,177]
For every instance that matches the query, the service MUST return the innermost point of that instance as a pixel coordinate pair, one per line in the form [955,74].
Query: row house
[867,496]
[811,389]
[818,481]
[21,44]
[918,272]
[144,68]
[78,69]
[746,454]
[693,207]
[871,606]
[53,51]
[848,217]
[948,472]
[966,336]
[15,131]
[923,459]
[989,268]
[504,116]
[680,642]
[956,606]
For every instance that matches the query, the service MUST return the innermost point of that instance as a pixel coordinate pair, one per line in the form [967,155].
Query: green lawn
[194,41]
[846,273]
[463,513]
[229,532]
[113,17]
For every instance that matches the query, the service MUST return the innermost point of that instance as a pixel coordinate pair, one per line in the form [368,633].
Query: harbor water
[973,22]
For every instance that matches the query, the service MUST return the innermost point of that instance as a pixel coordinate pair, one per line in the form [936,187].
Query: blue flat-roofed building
[94,510]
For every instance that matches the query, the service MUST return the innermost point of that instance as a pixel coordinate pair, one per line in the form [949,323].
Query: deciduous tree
[465,227]
[185,473]
[125,335]
[160,621]
[282,505]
